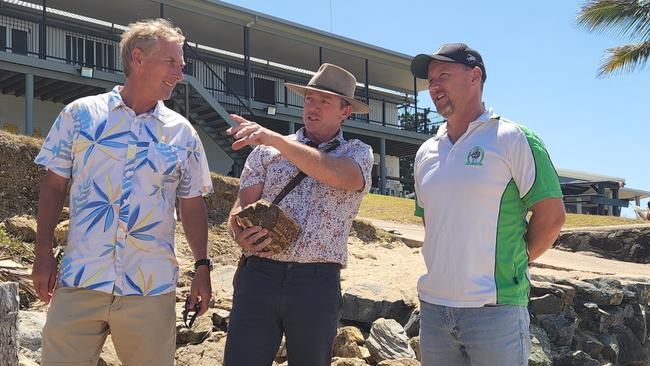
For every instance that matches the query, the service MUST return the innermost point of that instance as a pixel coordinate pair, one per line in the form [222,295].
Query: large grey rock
[611,348]
[637,322]
[600,293]
[587,342]
[30,327]
[613,316]
[560,328]
[627,244]
[564,292]
[546,304]
[589,315]
[388,341]
[631,350]
[367,302]
[575,358]
[540,349]
[636,292]
[412,326]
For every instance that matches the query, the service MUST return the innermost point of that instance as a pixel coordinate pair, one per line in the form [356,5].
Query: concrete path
[552,261]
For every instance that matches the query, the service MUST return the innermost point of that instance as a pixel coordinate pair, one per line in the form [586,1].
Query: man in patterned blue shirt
[128,159]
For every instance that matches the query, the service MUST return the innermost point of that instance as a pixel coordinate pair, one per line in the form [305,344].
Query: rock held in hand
[282,229]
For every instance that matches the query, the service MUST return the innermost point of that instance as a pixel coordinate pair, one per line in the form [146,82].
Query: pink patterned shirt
[323,212]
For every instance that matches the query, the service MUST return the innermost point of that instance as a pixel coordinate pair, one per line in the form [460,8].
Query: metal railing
[218,87]
[422,120]
[225,80]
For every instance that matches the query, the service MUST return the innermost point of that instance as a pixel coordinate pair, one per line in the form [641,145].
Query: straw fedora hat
[334,80]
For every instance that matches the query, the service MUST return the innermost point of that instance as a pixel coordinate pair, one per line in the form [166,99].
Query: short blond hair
[144,34]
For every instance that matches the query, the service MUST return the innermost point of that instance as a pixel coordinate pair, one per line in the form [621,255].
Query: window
[3,38]
[19,41]
[236,83]
[264,90]
[88,52]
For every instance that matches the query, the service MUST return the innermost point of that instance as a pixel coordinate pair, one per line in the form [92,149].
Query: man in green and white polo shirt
[475,181]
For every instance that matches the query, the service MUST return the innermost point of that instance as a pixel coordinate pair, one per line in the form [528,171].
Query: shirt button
[128,174]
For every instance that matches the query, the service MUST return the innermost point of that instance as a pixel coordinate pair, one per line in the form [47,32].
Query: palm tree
[629,18]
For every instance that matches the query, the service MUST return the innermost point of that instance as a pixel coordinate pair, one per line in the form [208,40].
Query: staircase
[209,115]
[192,99]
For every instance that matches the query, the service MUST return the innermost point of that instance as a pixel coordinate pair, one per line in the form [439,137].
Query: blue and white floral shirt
[126,173]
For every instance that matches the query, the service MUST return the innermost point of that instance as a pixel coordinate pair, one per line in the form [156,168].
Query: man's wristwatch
[204,262]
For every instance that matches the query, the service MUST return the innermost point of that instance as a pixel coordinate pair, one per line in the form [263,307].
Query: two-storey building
[54,51]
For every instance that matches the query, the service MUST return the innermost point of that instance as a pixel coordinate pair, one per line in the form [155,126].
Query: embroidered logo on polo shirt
[475,156]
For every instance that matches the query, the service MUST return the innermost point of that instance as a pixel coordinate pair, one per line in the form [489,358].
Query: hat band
[328,89]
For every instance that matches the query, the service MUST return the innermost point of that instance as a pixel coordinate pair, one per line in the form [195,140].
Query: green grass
[387,208]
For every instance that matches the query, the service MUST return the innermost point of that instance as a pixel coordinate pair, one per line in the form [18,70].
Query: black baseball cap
[451,52]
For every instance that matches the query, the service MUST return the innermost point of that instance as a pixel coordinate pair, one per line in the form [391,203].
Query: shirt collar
[487,115]
[300,136]
[115,101]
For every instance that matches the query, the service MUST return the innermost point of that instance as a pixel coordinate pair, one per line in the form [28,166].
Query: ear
[137,57]
[347,111]
[477,74]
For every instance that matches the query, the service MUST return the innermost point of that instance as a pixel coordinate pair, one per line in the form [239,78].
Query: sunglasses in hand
[187,311]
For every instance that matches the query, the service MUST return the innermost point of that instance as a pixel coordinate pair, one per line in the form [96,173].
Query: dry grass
[15,249]
[375,206]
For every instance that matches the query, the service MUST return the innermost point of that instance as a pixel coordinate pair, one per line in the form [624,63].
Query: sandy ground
[400,266]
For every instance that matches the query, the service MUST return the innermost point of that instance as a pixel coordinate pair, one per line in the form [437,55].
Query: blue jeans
[490,335]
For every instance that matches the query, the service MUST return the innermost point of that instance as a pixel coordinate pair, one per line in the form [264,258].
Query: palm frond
[629,18]
[625,58]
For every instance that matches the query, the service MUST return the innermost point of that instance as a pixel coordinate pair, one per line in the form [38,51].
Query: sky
[541,67]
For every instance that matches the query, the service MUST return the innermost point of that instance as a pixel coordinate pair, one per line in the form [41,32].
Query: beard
[446,109]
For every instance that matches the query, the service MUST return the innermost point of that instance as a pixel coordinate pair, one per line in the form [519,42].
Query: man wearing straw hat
[297,292]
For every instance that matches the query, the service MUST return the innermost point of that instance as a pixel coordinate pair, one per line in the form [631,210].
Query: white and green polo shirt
[474,196]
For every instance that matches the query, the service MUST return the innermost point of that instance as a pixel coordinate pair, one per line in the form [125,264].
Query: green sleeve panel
[547,183]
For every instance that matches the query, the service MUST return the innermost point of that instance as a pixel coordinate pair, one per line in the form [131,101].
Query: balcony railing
[99,48]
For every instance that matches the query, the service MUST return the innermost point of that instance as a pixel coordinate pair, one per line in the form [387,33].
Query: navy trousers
[300,300]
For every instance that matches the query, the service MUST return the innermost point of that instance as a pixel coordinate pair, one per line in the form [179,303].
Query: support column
[320,56]
[29,104]
[367,90]
[43,41]
[247,63]
[637,200]
[187,101]
[382,165]
[162,10]
[292,128]
[415,99]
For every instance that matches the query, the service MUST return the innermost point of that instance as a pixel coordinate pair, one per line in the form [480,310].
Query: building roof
[625,193]
[217,24]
